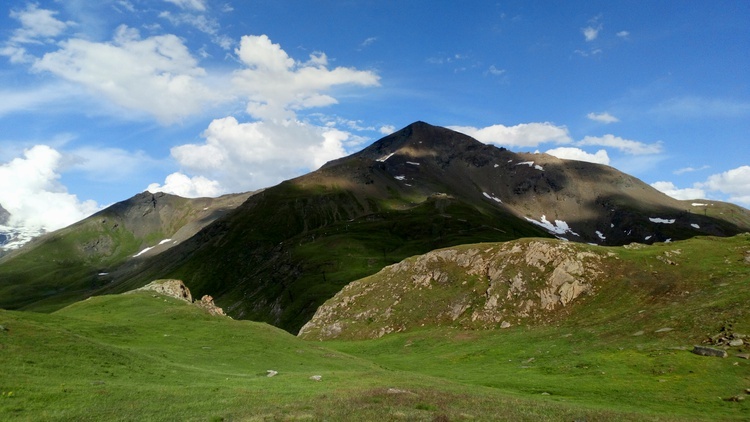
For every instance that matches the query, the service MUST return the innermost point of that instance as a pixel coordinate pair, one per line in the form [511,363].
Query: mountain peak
[418,139]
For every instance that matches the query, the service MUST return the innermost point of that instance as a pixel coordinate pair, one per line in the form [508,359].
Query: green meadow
[619,355]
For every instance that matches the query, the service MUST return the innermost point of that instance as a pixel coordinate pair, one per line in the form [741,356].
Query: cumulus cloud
[521,135]
[570,153]
[275,84]
[670,189]
[735,183]
[387,129]
[156,75]
[37,24]
[605,118]
[625,145]
[247,156]
[187,187]
[31,191]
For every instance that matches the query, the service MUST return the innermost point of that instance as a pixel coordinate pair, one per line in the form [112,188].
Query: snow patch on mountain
[12,238]
[531,164]
[494,198]
[383,159]
[560,227]
[661,220]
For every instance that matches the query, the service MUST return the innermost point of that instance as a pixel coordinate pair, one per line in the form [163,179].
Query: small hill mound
[178,290]
[542,282]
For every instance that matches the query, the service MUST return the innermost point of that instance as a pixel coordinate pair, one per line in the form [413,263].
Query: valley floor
[146,357]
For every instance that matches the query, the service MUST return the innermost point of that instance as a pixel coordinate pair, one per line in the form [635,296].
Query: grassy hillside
[75,262]
[146,357]
[290,248]
[698,284]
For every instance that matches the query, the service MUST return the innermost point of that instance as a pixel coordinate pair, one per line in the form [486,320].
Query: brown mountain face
[574,200]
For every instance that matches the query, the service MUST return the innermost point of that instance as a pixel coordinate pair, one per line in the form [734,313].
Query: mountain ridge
[284,251]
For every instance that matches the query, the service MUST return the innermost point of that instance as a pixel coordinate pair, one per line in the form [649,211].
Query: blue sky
[102,100]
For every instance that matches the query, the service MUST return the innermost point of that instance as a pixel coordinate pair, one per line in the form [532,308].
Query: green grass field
[142,356]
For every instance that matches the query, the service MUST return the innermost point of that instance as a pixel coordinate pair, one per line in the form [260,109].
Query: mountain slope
[288,249]
[72,263]
[285,251]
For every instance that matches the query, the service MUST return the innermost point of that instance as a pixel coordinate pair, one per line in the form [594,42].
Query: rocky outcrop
[207,303]
[172,288]
[178,290]
[475,286]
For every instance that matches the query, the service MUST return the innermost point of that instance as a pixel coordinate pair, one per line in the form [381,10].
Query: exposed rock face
[173,288]
[207,303]
[178,290]
[477,286]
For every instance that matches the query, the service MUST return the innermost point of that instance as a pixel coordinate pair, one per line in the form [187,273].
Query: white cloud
[248,156]
[735,183]
[30,190]
[199,5]
[187,187]
[521,135]
[495,71]
[590,33]
[275,84]
[603,117]
[569,153]
[202,23]
[690,169]
[670,189]
[37,24]
[624,145]
[368,42]
[156,75]
[623,34]
[387,129]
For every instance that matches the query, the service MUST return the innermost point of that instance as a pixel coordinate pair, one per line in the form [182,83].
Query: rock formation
[178,290]
[478,286]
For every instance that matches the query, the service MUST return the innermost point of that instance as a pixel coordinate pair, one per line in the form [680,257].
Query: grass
[146,357]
